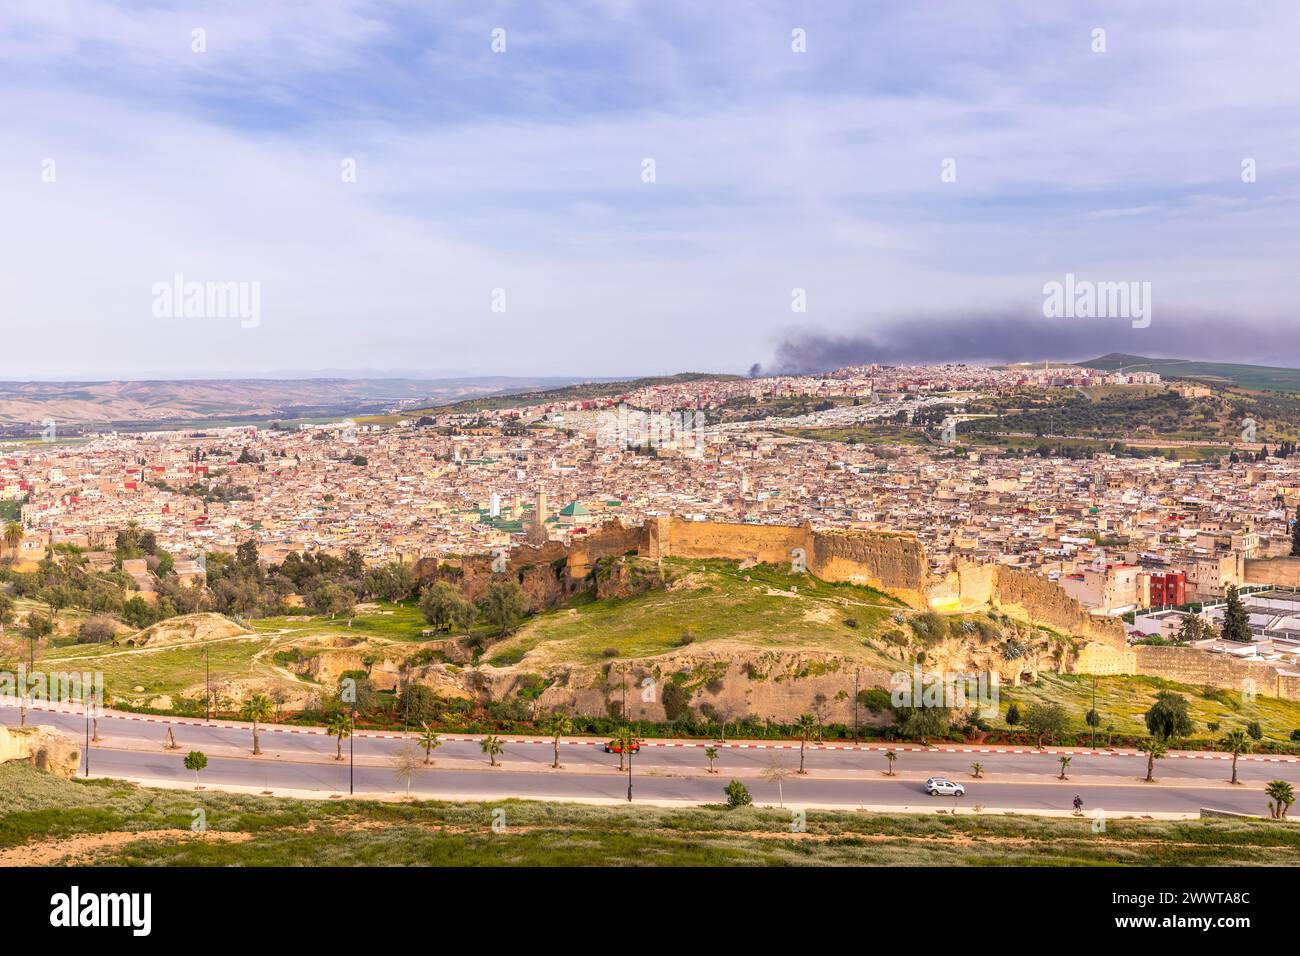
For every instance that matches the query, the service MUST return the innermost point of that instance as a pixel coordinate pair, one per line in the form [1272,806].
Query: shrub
[609,652]
[1254,730]
[738,795]
[677,701]
[97,630]
[851,622]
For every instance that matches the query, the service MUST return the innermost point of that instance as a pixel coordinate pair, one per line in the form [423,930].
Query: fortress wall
[895,564]
[1191,666]
[1103,660]
[1043,602]
[764,543]
[610,540]
[1279,571]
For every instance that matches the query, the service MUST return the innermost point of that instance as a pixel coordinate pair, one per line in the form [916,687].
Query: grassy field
[709,601]
[1122,701]
[1263,377]
[47,820]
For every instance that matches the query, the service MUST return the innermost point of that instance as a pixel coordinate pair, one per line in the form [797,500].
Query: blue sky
[522,171]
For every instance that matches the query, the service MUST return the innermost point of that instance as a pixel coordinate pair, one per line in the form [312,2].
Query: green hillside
[1258,377]
[567,393]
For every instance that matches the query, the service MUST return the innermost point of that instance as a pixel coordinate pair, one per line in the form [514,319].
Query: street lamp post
[856,672]
[630,751]
[352,752]
[207,687]
[86,709]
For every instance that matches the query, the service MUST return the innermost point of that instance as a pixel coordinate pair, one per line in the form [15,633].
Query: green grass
[711,600]
[394,622]
[1263,377]
[1124,700]
[36,807]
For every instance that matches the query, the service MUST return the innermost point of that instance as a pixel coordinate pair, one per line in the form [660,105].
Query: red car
[616,747]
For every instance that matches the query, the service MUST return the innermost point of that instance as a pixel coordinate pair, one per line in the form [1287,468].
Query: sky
[391,192]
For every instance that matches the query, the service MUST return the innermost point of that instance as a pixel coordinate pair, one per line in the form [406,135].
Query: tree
[1065,763]
[1046,720]
[890,757]
[1155,749]
[1236,619]
[406,763]
[1254,731]
[1192,629]
[334,599]
[13,535]
[504,605]
[977,770]
[1236,743]
[429,740]
[738,795]
[339,726]
[492,747]
[776,772]
[195,760]
[1283,795]
[444,608]
[99,629]
[1013,715]
[711,754]
[6,611]
[1168,719]
[256,709]
[557,725]
[624,738]
[1295,535]
[805,727]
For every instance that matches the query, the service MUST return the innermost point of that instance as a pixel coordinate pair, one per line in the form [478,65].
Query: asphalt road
[131,747]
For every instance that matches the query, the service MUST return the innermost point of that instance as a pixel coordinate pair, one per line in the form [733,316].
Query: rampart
[1191,666]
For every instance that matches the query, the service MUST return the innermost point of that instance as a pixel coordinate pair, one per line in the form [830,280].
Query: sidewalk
[740,744]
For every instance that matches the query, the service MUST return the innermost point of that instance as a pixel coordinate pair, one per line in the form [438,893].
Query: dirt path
[74,850]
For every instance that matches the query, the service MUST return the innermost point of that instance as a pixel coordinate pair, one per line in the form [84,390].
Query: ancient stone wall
[895,564]
[1040,601]
[1284,572]
[1191,666]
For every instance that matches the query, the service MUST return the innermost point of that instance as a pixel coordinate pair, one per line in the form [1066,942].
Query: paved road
[300,760]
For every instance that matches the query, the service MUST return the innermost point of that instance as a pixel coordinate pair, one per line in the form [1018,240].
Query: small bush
[610,652]
[738,795]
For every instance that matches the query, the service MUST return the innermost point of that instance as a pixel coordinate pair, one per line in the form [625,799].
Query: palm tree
[492,747]
[977,770]
[257,708]
[1283,795]
[339,726]
[805,728]
[428,740]
[624,738]
[13,537]
[1236,743]
[711,754]
[890,756]
[1155,749]
[557,725]
[1065,762]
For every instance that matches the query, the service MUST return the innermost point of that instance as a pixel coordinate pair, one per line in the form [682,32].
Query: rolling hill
[1254,377]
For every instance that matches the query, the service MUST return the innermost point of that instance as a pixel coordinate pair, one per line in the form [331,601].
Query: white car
[942,787]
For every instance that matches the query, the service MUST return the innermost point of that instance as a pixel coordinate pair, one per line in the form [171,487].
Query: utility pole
[856,672]
[630,751]
[1093,723]
[86,708]
[207,686]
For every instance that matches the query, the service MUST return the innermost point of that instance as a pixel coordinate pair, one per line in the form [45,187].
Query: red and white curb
[474,738]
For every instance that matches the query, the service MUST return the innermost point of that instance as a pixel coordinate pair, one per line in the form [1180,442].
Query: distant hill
[1258,377]
[567,393]
[75,406]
